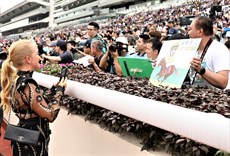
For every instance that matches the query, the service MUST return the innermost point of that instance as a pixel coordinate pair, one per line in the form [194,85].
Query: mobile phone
[63,73]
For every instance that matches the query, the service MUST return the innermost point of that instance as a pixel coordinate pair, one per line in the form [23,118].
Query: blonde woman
[21,92]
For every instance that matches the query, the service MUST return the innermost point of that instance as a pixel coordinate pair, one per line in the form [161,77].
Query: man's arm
[95,66]
[218,79]
[116,64]
[52,58]
[103,63]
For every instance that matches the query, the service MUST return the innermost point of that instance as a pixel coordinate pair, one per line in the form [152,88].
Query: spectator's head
[92,29]
[170,23]
[227,43]
[153,48]
[50,47]
[61,46]
[122,44]
[52,44]
[96,47]
[155,33]
[49,39]
[200,27]
[87,47]
[218,18]
[70,44]
[131,40]
[141,43]
[178,36]
[115,34]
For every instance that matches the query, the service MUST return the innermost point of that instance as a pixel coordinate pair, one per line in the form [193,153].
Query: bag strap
[8,121]
[202,55]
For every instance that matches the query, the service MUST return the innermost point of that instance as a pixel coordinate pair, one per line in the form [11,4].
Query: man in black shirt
[64,56]
[96,49]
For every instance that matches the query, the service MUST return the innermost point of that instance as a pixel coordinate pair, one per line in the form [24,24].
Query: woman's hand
[63,82]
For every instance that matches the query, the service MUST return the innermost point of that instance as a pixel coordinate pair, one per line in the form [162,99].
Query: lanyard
[206,49]
[203,54]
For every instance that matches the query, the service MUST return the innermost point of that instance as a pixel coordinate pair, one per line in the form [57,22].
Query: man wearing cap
[64,56]
[172,29]
[109,61]
[50,49]
[87,47]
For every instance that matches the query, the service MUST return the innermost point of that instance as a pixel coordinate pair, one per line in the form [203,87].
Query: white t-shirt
[216,59]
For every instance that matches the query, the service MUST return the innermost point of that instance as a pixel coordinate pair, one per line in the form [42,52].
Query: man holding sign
[212,63]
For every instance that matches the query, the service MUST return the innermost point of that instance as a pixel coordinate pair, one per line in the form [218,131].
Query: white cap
[122,40]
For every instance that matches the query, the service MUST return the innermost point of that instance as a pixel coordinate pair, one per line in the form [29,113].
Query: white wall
[73,136]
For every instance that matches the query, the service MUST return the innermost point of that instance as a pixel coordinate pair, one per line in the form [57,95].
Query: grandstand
[37,14]
[28,15]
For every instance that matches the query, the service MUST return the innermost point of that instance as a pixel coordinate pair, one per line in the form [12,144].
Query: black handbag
[22,135]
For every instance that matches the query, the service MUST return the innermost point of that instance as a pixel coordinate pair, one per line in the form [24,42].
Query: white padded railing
[208,128]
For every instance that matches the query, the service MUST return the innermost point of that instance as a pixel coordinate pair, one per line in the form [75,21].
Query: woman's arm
[38,104]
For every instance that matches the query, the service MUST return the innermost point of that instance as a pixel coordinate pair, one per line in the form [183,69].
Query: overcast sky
[7,4]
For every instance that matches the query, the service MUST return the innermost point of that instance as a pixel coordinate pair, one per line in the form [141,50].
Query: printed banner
[173,62]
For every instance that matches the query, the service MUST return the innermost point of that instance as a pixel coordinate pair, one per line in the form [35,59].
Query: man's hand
[43,56]
[114,54]
[196,64]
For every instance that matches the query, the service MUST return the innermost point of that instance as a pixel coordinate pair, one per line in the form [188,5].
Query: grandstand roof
[21,8]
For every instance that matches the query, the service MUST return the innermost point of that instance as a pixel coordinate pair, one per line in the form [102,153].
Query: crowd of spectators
[134,35]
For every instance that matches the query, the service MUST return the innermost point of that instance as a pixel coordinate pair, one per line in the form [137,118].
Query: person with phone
[23,95]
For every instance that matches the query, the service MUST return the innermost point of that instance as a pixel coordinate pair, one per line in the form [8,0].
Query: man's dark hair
[206,24]
[144,37]
[156,34]
[178,36]
[73,43]
[156,43]
[227,43]
[51,37]
[96,25]
[62,45]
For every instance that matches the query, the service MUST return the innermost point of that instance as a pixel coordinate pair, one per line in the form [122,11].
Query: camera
[119,47]
[113,47]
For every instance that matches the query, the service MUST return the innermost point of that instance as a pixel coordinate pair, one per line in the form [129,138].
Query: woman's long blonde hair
[17,52]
